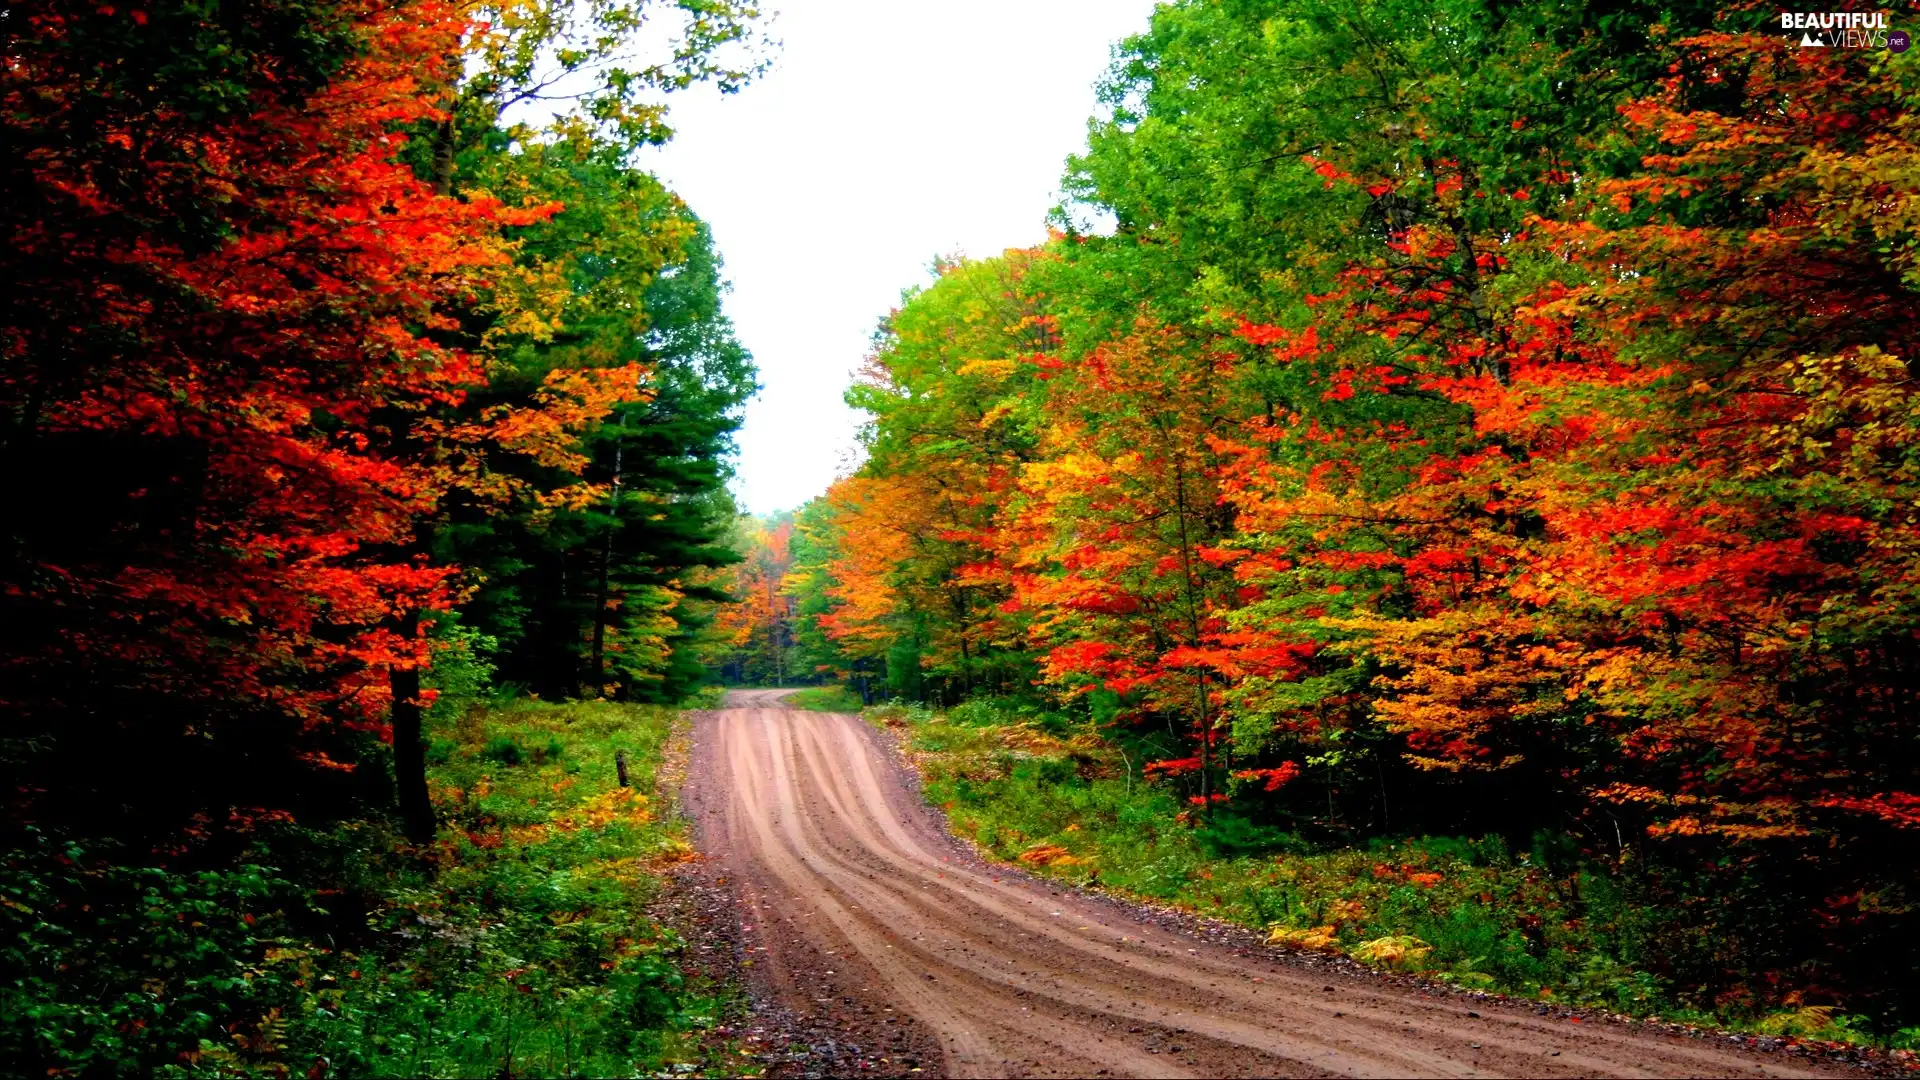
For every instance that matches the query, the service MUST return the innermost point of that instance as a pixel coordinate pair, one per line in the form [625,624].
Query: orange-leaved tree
[233,319]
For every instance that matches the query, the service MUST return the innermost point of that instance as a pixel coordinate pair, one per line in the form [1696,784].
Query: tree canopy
[1473,417]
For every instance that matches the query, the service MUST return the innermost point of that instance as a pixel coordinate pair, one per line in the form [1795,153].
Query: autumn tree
[272,355]
[757,626]
[228,304]
[1477,418]
[604,587]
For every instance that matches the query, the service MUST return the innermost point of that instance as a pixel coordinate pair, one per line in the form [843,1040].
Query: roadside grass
[519,945]
[707,697]
[1469,912]
[529,948]
[835,698]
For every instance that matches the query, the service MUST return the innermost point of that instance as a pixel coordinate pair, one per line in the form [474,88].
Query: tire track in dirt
[867,914]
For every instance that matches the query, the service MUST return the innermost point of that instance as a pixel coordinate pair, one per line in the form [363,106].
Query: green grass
[707,697]
[1064,803]
[530,947]
[518,944]
[834,698]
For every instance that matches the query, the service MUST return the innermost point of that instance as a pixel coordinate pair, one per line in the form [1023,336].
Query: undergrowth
[519,945]
[1475,912]
[707,697]
[835,698]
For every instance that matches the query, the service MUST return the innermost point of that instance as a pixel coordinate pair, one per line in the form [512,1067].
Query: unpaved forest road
[859,910]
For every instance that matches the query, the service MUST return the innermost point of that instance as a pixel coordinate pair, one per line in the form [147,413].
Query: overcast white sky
[888,131]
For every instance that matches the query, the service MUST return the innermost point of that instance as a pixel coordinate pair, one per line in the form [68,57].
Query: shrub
[115,970]
[504,750]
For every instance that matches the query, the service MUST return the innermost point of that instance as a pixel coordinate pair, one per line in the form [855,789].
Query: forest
[355,376]
[1445,492]
[1467,420]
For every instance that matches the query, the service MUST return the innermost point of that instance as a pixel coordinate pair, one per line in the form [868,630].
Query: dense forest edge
[1444,493]
[368,424]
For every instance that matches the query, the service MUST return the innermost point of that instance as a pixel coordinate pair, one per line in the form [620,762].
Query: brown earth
[860,914]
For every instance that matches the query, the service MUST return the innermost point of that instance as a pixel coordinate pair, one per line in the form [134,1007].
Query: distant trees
[757,629]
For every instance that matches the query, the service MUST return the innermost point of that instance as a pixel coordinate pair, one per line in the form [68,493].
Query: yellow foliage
[675,850]
[1032,740]
[992,369]
[1319,937]
[527,834]
[1346,911]
[627,872]
[1808,1021]
[618,804]
[1049,855]
[1394,950]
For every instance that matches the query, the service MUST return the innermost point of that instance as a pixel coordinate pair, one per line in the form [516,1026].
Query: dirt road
[859,910]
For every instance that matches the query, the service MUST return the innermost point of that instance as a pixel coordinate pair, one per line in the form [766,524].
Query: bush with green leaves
[1540,920]
[116,969]
[521,944]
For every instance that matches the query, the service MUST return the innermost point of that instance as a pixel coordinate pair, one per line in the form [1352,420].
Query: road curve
[860,909]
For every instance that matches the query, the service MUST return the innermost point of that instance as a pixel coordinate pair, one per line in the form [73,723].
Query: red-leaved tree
[233,331]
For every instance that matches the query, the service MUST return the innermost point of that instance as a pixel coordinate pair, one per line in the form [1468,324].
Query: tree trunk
[1206,745]
[606,571]
[1188,571]
[966,666]
[409,744]
[598,666]
[443,153]
[774,637]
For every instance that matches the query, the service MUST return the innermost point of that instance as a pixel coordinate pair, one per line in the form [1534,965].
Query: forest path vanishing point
[857,907]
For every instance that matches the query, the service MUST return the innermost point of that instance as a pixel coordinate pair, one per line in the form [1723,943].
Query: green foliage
[440,751]
[614,595]
[521,946]
[836,699]
[462,672]
[1229,835]
[592,48]
[113,969]
[976,712]
[707,697]
[899,713]
[503,750]
[528,949]
[1468,911]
